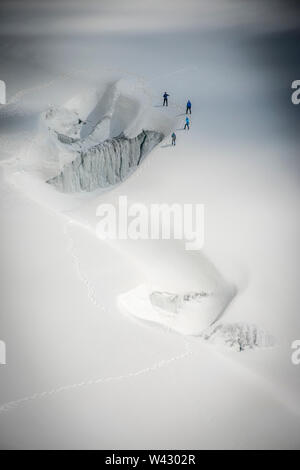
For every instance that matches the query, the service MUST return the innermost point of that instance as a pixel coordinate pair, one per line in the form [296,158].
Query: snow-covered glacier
[105,164]
[93,138]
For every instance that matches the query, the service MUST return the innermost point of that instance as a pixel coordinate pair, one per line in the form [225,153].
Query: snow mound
[188,314]
[238,336]
[194,313]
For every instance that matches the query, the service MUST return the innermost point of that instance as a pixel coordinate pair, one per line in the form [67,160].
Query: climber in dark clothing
[165,95]
[173,138]
[189,107]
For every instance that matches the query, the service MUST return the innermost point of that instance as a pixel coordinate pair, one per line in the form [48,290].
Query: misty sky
[79,17]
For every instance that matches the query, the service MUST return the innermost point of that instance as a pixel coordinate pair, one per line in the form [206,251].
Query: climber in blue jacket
[188,107]
[165,95]
[187,123]
[173,138]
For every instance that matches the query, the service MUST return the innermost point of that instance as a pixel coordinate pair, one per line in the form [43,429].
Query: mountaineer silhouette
[188,107]
[165,96]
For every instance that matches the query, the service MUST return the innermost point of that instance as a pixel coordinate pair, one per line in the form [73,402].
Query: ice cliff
[105,164]
[99,136]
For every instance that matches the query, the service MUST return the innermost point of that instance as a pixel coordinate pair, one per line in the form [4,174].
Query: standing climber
[188,107]
[165,95]
[173,138]
[187,123]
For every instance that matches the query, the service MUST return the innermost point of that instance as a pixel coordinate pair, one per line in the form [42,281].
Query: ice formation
[238,336]
[175,303]
[99,136]
[105,164]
